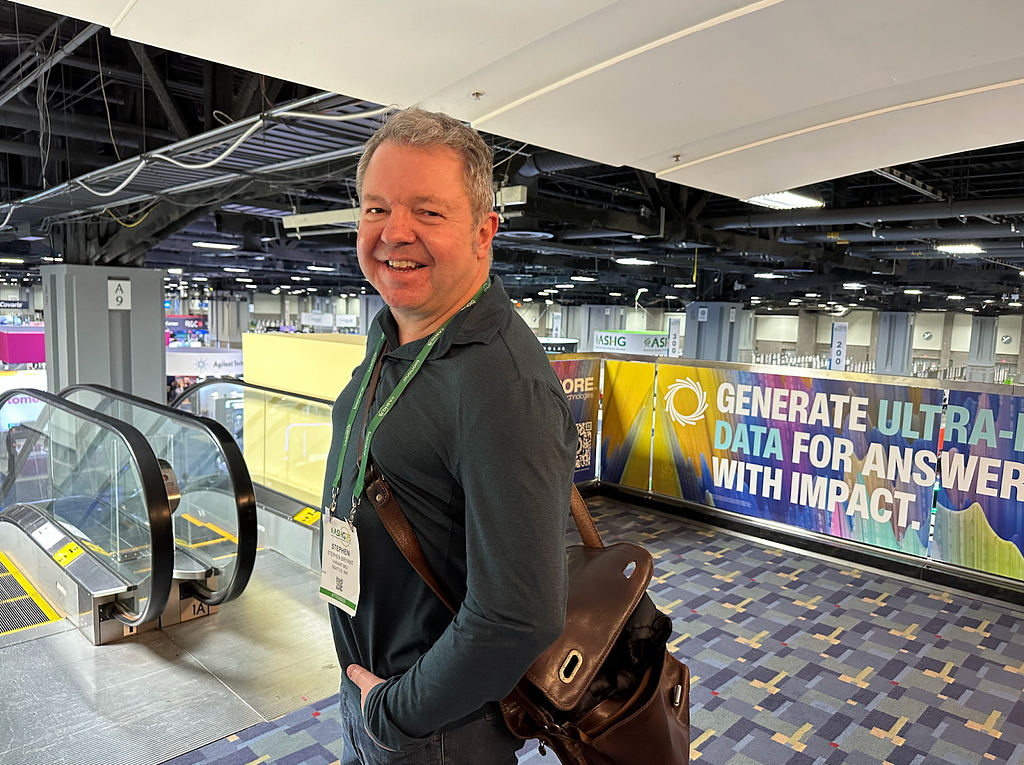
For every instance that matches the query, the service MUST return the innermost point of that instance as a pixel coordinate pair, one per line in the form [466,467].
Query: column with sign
[837,357]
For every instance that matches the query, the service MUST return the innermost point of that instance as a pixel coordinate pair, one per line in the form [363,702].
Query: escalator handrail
[238,474]
[154,494]
[210,381]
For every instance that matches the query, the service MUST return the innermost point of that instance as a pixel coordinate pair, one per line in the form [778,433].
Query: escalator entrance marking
[66,555]
[215,529]
[308,516]
[21,606]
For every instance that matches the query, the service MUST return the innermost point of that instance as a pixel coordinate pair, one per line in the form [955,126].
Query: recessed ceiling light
[785,200]
[174,270]
[959,249]
[614,294]
[633,262]
[565,286]
[684,286]
[215,245]
[954,297]
[583,278]
[320,268]
[232,270]
[16,261]
[912,292]
[853,286]
[242,279]
[200,279]
[768,275]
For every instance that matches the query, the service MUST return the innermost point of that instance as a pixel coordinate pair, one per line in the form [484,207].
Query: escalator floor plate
[21,606]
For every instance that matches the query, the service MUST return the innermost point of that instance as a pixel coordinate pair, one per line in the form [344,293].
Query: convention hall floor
[794,659]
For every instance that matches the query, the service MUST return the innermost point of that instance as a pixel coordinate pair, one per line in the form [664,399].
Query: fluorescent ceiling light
[912,292]
[768,275]
[633,262]
[527,300]
[642,290]
[200,279]
[565,286]
[785,200]
[811,294]
[310,289]
[684,286]
[252,286]
[1014,304]
[672,297]
[215,245]
[242,279]
[297,278]
[959,249]
[12,260]
[954,297]
[31,238]
[174,270]
[614,294]
[549,302]
[583,278]
[231,270]
[853,286]
[320,268]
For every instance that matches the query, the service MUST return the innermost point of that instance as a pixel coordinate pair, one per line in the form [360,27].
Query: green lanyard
[359,487]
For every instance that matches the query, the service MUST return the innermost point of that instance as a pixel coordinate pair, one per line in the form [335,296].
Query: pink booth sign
[22,345]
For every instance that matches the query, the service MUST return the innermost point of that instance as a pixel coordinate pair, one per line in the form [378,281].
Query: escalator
[214,505]
[85,521]
[285,438]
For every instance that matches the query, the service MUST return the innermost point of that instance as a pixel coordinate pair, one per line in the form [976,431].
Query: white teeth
[402,264]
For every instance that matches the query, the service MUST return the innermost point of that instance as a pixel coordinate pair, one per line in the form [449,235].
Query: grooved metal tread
[21,606]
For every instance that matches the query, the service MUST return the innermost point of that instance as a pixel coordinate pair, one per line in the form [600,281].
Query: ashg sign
[185,323]
[643,343]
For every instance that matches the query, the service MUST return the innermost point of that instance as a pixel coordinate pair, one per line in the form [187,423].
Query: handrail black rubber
[154,494]
[238,474]
[210,381]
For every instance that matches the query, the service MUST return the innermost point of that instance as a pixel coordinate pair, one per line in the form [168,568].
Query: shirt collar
[477,324]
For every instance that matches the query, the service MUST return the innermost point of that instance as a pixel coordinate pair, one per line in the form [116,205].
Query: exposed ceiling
[584,104]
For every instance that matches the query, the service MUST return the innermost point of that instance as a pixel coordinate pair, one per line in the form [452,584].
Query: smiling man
[472,431]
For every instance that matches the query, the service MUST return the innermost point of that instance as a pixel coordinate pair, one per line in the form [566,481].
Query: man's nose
[399,228]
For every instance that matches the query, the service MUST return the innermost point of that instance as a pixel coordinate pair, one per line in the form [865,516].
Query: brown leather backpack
[607,691]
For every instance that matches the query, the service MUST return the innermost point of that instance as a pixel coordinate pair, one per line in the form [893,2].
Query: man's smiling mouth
[403,265]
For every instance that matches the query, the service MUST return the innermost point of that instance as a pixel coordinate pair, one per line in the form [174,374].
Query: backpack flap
[605,585]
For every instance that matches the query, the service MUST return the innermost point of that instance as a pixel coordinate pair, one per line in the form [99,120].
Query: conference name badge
[339,582]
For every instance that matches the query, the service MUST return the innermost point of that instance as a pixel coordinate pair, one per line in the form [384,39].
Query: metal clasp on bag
[677,695]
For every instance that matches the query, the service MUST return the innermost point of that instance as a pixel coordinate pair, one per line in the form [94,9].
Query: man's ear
[485,232]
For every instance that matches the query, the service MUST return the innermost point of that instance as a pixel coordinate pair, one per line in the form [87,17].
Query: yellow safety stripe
[46,608]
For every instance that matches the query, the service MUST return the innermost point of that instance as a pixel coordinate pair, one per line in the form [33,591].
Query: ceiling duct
[551,162]
[906,234]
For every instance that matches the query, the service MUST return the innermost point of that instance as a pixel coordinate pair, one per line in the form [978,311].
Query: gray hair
[427,130]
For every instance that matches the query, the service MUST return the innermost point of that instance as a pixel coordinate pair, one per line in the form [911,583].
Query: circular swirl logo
[670,402]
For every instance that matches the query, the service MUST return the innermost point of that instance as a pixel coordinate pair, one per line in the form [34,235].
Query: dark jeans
[485,741]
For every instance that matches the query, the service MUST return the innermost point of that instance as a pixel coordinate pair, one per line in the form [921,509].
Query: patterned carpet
[793,660]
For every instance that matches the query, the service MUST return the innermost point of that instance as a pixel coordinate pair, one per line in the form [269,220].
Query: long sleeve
[514,461]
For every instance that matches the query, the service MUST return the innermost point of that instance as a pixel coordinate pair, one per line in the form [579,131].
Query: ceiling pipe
[886,250]
[50,62]
[585,233]
[838,217]
[906,234]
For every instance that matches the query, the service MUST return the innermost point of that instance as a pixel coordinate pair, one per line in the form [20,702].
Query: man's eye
[430,213]
[373,211]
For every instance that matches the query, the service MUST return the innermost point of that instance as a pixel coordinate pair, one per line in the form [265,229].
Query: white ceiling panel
[753,95]
[105,12]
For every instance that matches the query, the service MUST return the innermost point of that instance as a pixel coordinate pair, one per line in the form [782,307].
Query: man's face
[418,244]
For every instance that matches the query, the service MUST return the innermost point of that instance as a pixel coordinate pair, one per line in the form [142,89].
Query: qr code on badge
[583,447]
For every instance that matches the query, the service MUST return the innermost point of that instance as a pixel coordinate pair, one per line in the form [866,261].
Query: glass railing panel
[87,477]
[285,438]
[207,519]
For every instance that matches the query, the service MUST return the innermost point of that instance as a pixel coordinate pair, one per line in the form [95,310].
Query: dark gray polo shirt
[479,451]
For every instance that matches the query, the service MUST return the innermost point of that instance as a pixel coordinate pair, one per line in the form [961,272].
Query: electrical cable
[129,225]
[337,117]
[106,105]
[10,212]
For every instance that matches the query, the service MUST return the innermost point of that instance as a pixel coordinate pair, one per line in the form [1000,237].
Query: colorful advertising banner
[979,517]
[627,421]
[581,381]
[848,459]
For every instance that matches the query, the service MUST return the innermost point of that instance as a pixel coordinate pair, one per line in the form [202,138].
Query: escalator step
[21,606]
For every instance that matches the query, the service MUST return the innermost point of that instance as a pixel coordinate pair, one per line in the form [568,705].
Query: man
[478,448]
